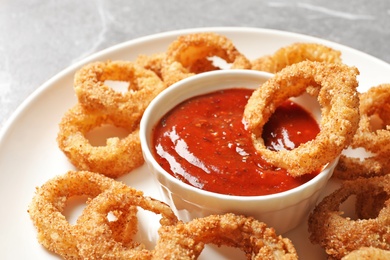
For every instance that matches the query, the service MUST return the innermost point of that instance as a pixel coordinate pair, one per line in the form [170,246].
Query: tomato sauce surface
[203,142]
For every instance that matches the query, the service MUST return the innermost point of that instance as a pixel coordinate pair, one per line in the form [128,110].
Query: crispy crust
[152,62]
[349,168]
[368,253]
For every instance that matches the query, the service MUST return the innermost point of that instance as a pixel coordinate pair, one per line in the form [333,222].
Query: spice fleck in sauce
[203,142]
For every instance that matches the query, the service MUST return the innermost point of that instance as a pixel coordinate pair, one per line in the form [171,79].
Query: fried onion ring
[296,53]
[46,210]
[368,253]
[340,235]
[340,115]
[95,95]
[193,54]
[151,62]
[117,157]
[373,135]
[349,168]
[95,241]
[186,240]
[368,205]
[374,103]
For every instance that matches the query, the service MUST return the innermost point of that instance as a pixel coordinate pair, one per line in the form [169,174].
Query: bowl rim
[198,78]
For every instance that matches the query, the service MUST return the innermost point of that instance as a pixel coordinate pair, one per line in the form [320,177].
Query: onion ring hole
[118,86]
[220,63]
[98,136]
[376,123]
[74,207]
[348,208]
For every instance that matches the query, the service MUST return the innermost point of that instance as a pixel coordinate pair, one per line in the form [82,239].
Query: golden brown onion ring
[340,115]
[373,135]
[95,240]
[186,240]
[46,209]
[349,168]
[368,205]
[94,95]
[296,53]
[340,235]
[374,103]
[368,253]
[193,54]
[117,157]
[152,62]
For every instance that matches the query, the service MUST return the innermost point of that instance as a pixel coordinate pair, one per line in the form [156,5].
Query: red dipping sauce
[203,143]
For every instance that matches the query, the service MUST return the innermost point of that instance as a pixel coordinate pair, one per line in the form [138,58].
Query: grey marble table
[39,38]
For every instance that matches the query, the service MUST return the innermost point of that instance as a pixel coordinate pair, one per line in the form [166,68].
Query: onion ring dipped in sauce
[340,235]
[95,95]
[373,135]
[117,157]
[296,53]
[187,240]
[203,142]
[95,241]
[194,53]
[46,210]
[334,85]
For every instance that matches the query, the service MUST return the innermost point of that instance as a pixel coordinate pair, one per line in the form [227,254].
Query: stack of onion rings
[101,105]
[340,235]
[193,53]
[374,106]
[94,236]
[296,53]
[46,210]
[340,115]
[187,240]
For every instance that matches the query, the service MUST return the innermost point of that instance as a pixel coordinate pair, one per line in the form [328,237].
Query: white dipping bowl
[283,211]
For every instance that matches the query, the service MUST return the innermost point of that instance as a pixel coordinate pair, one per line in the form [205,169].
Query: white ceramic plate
[29,155]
